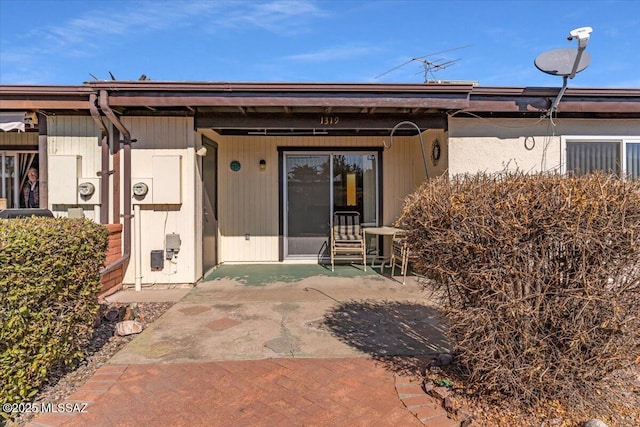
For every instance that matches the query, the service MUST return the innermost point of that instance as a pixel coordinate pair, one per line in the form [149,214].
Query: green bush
[540,276]
[49,283]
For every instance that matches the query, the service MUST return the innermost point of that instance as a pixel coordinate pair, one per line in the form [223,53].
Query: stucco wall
[531,145]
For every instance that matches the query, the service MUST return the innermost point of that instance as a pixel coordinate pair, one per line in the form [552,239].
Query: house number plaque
[329,120]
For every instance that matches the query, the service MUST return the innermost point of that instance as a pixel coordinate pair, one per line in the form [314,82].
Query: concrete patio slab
[274,346]
[317,316]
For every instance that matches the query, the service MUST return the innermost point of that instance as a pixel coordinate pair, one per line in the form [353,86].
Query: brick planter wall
[112,282]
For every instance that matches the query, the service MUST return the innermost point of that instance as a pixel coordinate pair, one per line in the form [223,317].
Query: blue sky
[494,42]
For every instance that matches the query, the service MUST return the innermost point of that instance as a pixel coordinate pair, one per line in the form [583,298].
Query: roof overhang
[320,108]
[575,103]
[254,108]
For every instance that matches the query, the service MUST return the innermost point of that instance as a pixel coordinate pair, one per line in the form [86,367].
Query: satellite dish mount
[566,62]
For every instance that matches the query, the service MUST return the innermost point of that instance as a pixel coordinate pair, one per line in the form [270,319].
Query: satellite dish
[566,62]
[560,62]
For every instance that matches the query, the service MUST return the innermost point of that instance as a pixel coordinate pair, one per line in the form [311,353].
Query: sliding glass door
[307,203]
[317,184]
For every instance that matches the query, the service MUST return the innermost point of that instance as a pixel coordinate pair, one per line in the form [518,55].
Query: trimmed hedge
[49,283]
[540,276]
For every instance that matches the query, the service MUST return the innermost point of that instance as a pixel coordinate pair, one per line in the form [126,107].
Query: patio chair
[400,255]
[346,238]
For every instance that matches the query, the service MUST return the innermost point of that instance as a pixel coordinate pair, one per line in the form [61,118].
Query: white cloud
[283,17]
[332,54]
[83,35]
[92,30]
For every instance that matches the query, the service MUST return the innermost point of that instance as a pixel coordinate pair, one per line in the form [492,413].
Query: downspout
[43,161]
[105,172]
[104,106]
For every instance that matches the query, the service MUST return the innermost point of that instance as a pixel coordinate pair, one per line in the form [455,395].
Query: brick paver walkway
[272,392]
[184,369]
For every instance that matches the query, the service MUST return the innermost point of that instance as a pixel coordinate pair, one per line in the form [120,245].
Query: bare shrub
[540,277]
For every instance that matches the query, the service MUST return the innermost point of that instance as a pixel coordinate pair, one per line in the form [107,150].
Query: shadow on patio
[402,335]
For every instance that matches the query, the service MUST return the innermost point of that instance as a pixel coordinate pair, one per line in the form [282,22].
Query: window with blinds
[633,159]
[615,156]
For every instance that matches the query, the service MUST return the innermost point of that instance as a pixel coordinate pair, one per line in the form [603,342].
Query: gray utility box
[157,260]
[172,244]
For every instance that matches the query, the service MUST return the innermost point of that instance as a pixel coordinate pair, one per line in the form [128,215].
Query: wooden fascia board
[44,97]
[480,91]
[8,90]
[44,104]
[344,121]
[442,102]
[524,104]
[239,87]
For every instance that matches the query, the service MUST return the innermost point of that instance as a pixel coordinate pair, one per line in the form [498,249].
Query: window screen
[633,160]
[585,157]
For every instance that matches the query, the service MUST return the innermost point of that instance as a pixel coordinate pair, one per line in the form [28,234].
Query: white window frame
[8,152]
[621,140]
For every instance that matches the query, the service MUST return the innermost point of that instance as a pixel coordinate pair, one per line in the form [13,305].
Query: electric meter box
[141,191]
[88,191]
[64,172]
[167,180]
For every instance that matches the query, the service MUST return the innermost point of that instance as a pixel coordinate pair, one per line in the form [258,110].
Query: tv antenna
[429,66]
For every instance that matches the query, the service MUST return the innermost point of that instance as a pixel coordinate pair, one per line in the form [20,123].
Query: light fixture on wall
[436,151]
[263,164]
[201,151]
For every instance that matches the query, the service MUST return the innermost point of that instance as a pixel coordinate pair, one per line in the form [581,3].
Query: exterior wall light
[263,164]
[201,151]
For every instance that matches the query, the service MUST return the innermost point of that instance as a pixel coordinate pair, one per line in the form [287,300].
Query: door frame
[212,149]
[282,151]
[15,152]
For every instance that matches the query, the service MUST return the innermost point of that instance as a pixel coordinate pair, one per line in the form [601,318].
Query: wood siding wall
[165,136]
[249,202]
[78,135]
[160,132]
[9,139]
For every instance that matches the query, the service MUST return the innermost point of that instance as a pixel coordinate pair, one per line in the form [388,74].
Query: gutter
[255,88]
[104,106]
[105,172]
